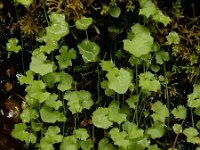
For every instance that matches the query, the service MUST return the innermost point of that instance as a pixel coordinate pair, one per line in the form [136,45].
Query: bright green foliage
[105,145]
[100,118]
[78,100]
[65,57]
[114,113]
[89,50]
[83,23]
[19,132]
[86,145]
[153,147]
[180,112]
[50,46]
[108,91]
[26,79]
[158,109]
[161,57]
[26,3]
[119,80]
[81,134]
[51,78]
[132,130]
[148,8]
[119,138]
[12,46]
[197,111]
[28,114]
[148,82]
[141,42]
[173,38]
[132,100]
[51,116]
[194,98]
[156,131]
[51,137]
[115,11]
[177,128]
[160,17]
[59,27]
[191,134]
[40,65]
[65,81]
[107,65]
[53,101]
[69,143]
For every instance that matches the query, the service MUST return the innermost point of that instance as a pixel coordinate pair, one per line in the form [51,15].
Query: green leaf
[173,38]
[81,134]
[160,17]
[28,79]
[19,132]
[83,23]
[59,27]
[147,8]
[86,145]
[50,46]
[40,65]
[158,108]
[53,102]
[11,46]
[115,11]
[28,114]
[156,131]
[132,130]
[51,78]
[180,112]
[69,143]
[100,118]
[89,50]
[114,113]
[161,57]
[148,82]
[119,138]
[65,81]
[141,43]
[191,134]
[132,100]
[105,145]
[107,65]
[153,147]
[65,57]
[78,100]
[177,128]
[26,3]
[194,98]
[51,116]
[119,80]
[197,111]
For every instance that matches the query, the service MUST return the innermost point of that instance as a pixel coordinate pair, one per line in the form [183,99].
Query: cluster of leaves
[126,103]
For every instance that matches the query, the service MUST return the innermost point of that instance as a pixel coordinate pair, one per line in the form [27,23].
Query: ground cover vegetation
[106,75]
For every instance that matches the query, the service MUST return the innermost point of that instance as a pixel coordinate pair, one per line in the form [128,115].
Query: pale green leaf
[83,23]
[180,112]
[100,118]
[19,132]
[69,143]
[12,46]
[81,134]
[26,3]
[148,82]
[53,101]
[158,108]
[114,113]
[191,134]
[86,145]
[156,131]
[177,128]
[89,50]
[132,100]
[194,98]
[147,8]
[51,78]
[51,116]
[105,145]
[78,100]
[160,17]
[161,57]
[107,65]
[141,43]
[119,138]
[28,114]
[26,79]
[65,81]
[173,38]
[132,130]
[154,147]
